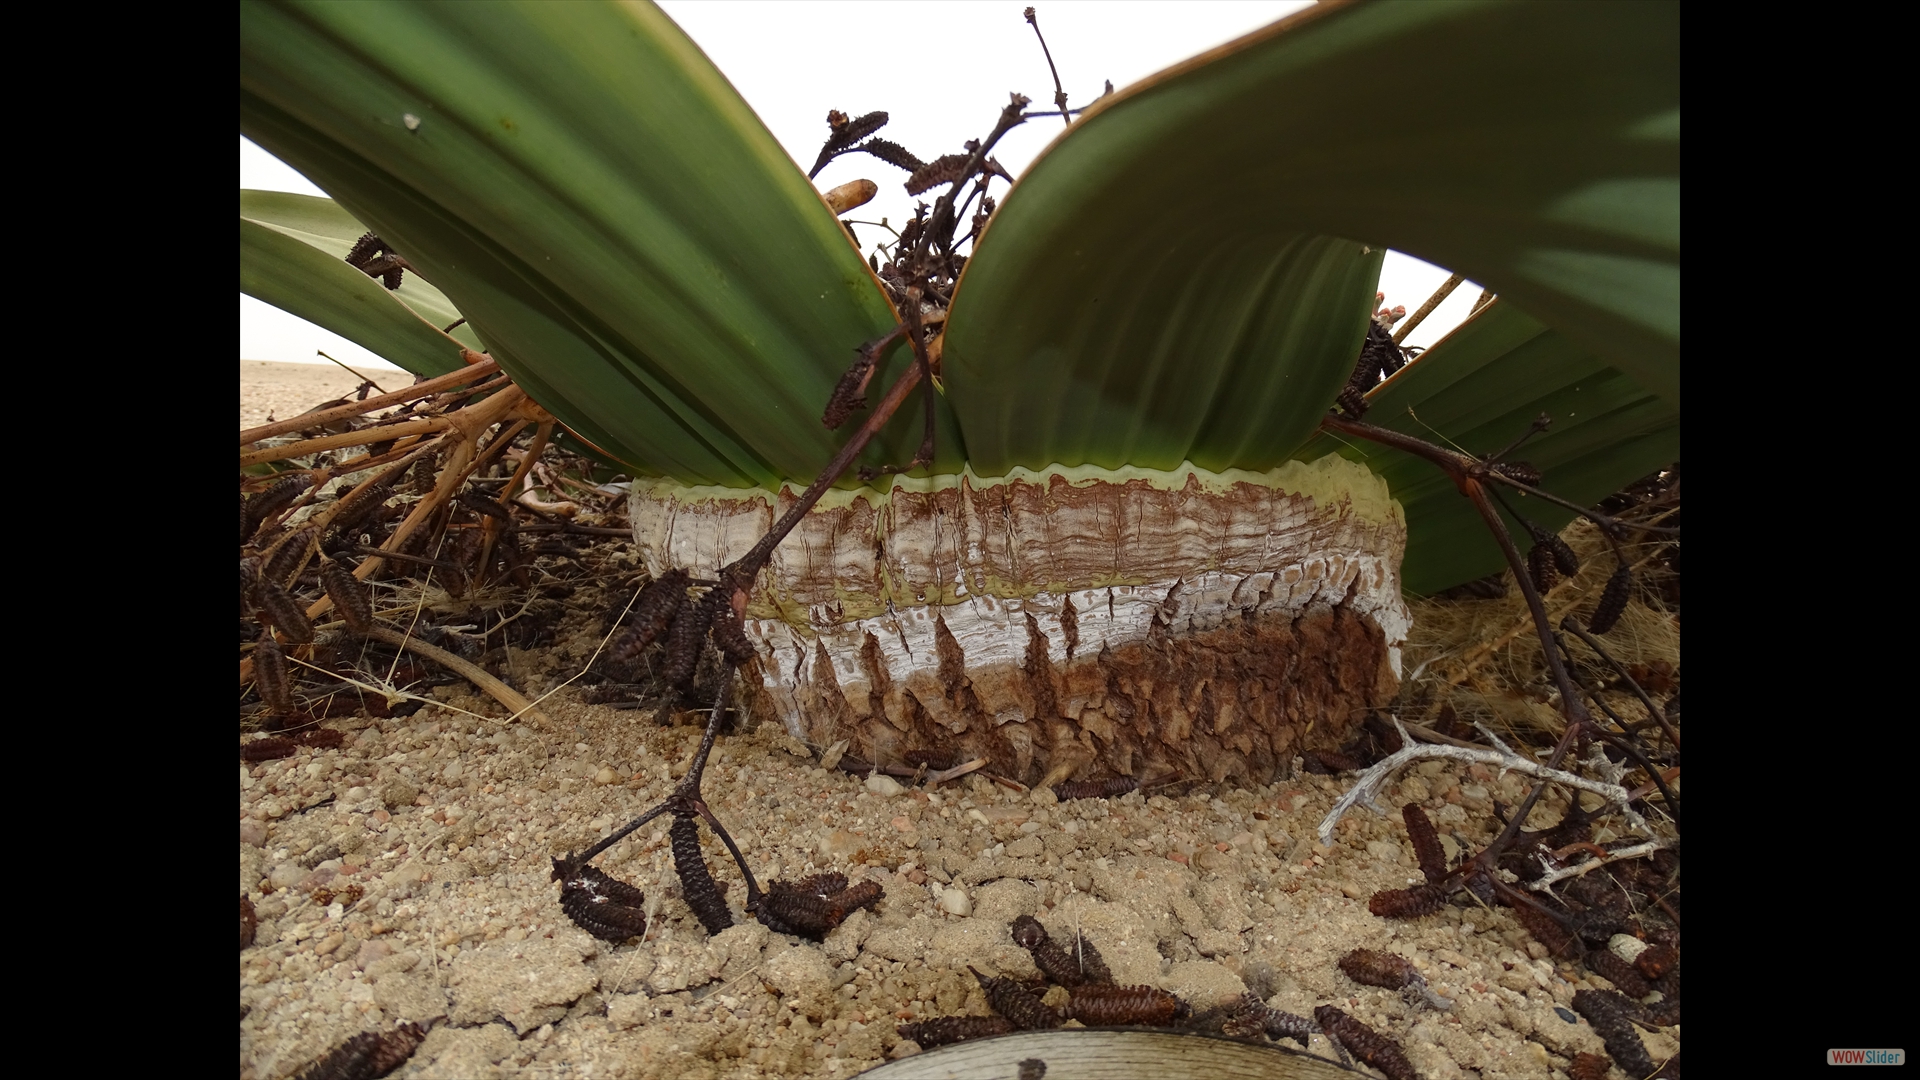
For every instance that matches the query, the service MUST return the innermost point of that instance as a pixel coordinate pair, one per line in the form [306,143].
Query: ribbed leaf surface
[1151,288]
[1478,390]
[323,225]
[621,231]
[324,290]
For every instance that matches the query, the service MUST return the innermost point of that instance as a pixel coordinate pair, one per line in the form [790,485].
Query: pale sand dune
[280,390]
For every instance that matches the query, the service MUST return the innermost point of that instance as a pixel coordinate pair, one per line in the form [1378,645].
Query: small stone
[954,901]
[883,785]
[452,773]
[840,843]
[399,792]
[372,952]
[604,777]
[1202,983]
[286,874]
[903,823]
[627,1011]
[253,833]
[1626,947]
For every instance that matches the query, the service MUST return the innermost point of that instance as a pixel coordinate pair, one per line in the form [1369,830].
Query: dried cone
[349,595]
[1540,568]
[601,904]
[1613,600]
[1365,1043]
[1012,1001]
[270,675]
[696,881]
[946,1030]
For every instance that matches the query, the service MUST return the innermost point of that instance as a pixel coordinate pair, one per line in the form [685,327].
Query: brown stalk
[479,370]
[514,702]
[349,438]
[1467,474]
[1426,309]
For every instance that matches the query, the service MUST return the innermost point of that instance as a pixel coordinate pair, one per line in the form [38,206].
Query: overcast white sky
[795,60]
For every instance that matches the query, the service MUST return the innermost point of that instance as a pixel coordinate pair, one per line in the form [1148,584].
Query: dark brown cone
[1607,1012]
[1111,787]
[945,1030]
[1375,968]
[1624,976]
[696,881]
[1012,1001]
[349,595]
[1426,842]
[282,611]
[1407,903]
[1057,963]
[287,557]
[1113,1006]
[944,169]
[602,905]
[1365,1043]
[270,501]
[1541,569]
[1613,600]
[249,922]
[270,675]
[268,749]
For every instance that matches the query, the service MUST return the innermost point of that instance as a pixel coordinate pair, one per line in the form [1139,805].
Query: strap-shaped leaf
[1480,388]
[618,227]
[322,224]
[322,289]
[1143,292]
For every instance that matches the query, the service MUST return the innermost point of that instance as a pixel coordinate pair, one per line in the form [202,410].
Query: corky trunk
[1069,623]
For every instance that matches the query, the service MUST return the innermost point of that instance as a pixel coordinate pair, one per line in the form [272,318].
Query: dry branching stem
[1367,788]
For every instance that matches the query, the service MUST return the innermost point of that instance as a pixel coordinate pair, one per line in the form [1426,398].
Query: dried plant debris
[1562,554]
[601,904]
[1613,600]
[349,595]
[653,612]
[284,560]
[946,1030]
[1075,967]
[1426,843]
[1365,1043]
[269,501]
[368,1055]
[696,881]
[1013,1001]
[1110,1006]
[1624,976]
[1392,972]
[268,749]
[1609,1013]
[1109,788]
[1587,1066]
[1547,930]
[1277,1023]
[1656,961]
[1407,903]
[282,610]
[270,675]
[812,907]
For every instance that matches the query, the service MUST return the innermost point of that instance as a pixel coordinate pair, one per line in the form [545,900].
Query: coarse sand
[430,839]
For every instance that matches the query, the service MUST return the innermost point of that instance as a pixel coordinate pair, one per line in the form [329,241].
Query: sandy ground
[269,389]
[432,836]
